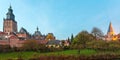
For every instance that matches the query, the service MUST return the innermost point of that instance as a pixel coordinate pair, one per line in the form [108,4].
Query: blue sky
[63,17]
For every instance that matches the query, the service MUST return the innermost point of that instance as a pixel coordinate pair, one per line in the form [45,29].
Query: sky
[63,17]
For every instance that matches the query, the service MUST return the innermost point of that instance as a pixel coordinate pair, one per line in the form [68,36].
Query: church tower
[110,34]
[110,30]
[9,24]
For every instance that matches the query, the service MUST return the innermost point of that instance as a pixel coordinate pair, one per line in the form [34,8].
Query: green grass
[87,52]
[27,55]
[72,52]
[15,55]
[66,52]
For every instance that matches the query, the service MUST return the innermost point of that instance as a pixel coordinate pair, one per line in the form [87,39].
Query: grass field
[73,52]
[15,55]
[30,54]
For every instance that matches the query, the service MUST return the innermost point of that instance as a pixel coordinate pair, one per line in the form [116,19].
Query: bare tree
[97,33]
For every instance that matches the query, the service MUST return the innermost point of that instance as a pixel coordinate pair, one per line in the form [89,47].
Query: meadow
[30,54]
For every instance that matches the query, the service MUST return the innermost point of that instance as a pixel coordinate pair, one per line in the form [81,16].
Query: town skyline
[61,17]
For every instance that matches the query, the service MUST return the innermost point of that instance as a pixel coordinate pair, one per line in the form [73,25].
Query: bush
[5,48]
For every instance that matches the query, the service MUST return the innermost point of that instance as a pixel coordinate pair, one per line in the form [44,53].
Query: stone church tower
[111,34]
[110,30]
[9,24]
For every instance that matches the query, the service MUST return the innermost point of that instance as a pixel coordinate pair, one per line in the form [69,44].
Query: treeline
[93,40]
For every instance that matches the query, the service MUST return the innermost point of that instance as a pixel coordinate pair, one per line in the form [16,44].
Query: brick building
[10,25]
[11,36]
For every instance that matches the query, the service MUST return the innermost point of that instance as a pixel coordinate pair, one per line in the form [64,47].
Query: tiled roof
[56,42]
[23,30]
[2,33]
[42,41]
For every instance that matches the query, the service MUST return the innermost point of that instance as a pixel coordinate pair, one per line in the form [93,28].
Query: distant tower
[9,24]
[110,34]
[37,32]
[110,30]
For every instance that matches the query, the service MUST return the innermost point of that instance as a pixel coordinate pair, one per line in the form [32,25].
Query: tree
[50,36]
[114,45]
[97,44]
[5,48]
[97,33]
[72,38]
[31,45]
[82,38]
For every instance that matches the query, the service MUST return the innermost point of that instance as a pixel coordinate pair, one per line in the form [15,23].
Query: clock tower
[9,23]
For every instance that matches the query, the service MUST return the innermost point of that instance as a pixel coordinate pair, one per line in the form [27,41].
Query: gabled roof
[42,41]
[23,30]
[53,42]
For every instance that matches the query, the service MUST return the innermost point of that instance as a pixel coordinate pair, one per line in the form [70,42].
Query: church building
[11,36]
[111,34]
[10,25]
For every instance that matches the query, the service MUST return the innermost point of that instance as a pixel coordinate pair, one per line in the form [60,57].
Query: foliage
[67,54]
[97,33]
[50,36]
[96,44]
[104,45]
[72,38]
[5,48]
[84,44]
[87,40]
[81,39]
[113,45]
[31,45]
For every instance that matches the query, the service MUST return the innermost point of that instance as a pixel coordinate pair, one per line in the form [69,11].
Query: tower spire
[10,5]
[10,15]
[37,29]
[110,29]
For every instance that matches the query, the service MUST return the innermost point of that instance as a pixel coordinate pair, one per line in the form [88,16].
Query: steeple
[37,33]
[10,15]
[23,30]
[37,29]
[12,25]
[110,29]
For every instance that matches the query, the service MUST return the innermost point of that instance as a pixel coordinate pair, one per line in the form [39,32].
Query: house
[53,43]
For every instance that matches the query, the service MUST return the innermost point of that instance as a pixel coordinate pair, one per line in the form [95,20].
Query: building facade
[11,36]
[9,24]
